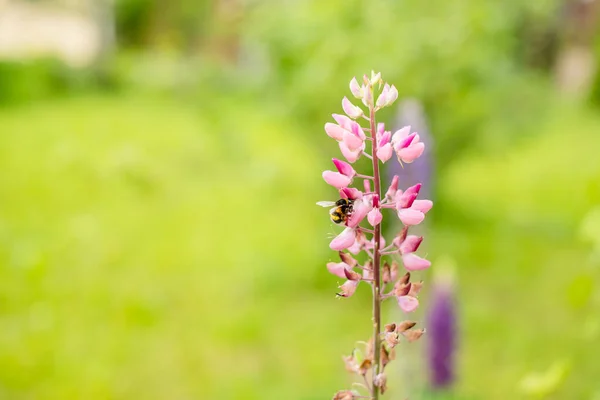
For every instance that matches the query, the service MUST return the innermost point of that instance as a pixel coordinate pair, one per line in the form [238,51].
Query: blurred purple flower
[441,334]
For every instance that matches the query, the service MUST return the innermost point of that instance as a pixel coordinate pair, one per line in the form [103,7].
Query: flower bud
[356,89]
[350,109]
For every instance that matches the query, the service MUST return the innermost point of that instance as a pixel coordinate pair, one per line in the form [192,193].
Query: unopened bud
[386,276]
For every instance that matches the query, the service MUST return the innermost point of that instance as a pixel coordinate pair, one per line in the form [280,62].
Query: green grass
[151,250]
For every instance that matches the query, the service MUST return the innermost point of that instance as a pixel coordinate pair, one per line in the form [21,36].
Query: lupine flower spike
[360,209]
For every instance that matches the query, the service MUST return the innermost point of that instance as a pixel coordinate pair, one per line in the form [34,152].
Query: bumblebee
[341,210]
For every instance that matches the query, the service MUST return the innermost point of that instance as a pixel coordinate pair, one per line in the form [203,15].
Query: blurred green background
[161,160]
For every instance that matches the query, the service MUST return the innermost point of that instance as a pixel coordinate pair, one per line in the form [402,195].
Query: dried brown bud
[365,366]
[405,325]
[345,395]
[368,270]
[401,289]
[360,236]
[380,381]
[351,275]
[405,278]
[392,339]
[390,327]
[369,349]
[348,259]
[385,356]
[400,236]
[413,334]
[350,363]
[415,288]
[394,271]
[386,276]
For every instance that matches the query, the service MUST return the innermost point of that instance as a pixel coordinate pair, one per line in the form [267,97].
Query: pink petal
[385,152]
[374,217]
[409,216]
[350,109]
[400,134]
[413,189]
[384,138]
[410,244]
[380,128]
[344,168]
[355,248]
[411,153]
[343,240]
[392,95]
[405,200]
[338,269]
[348,154]
[360,210]
[351,193]
[367,185]
[352,141]
[381,100]
[334,131]
[391,192]
[355,88]
[336,179]
[413,262]
[343,121]
[404,143]
[357,130]
[422,205]
[348,288]
[408,303]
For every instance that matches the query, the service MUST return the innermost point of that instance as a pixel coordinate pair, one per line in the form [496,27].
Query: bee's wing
[326,203]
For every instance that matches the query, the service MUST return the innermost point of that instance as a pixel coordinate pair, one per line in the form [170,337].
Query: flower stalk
[376,262]
[355,209]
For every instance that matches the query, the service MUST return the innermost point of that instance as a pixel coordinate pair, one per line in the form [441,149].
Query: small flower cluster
[367,203]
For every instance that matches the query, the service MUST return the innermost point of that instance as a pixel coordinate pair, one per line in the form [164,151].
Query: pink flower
[350,109]
[338,269]
[388,95]
[343,240]
[408,303]
[349,134]
[336,179]
[413,262]
[340,179]
[410,244]
[407,145]
[360,209]
[384,147]
[410,210]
